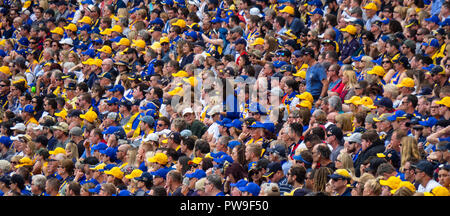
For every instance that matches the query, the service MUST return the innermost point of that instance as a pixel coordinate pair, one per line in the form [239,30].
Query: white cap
[151,137]
[20,127]
[187,110]
[255,11]
[67,41]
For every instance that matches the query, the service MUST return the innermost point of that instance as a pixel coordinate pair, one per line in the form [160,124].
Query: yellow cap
[106,49]
[258,41]
[180,22]
[288,9]
[57,150]
[351,29]
[71,27]
[180,73]
[58,30]
[117,28]
[62,114]
[176,91]
[300,73]
[356,100]
[393,182]
[406,82]
[97,62]
[196,160]
[305,103]
[25,161]
[134,174]
[440,191]
[88,61]
[27,4]
[164,40]
[89,116]
[306,96]
[191,80]
[371,6]
[86,20]
[99,167]
[406,184]
[378,70]
[107,31]
[368,102]
[341,173]
[444,101]
[116,172]
[156,45]
[124,41]
[160,158]
[5,70]
[138,43]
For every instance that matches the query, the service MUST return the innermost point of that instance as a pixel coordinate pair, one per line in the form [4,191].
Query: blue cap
[240,183]
[224,121]
[192,34]
[434,19]
[110,152]
[233,144]
[235,123]
[98,40]
[252,166]
[89,52]
[218,154]
[317,3]
[5,140]
[397,114]
[85,27]
[279,64]
[429,122]
[216,20]
[28,108]
[269,126]
[223,159]
[2,53]
[111,130]
[385,38]
[157,21]
[124,193]
[169,2]
[317,11]
[145,177]
[433,42]
[116,39]
[300,158]
[199,173]
[100,146]
[113,100]
[23,41]
[251,188]
[118,88]
[384,101]
[162,172]
[385,21]
[256,124]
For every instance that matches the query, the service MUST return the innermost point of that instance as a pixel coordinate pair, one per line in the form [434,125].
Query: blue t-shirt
[314,76]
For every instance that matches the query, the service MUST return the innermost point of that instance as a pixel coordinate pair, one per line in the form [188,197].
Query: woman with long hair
[409,150]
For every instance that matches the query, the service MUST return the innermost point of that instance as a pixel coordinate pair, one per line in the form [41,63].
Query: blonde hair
[73,148]
[393,89]
[350,74]
[374,186]
[122,12]
[347,162]
[345,121]
[362,181]
[403,191]
[409,149]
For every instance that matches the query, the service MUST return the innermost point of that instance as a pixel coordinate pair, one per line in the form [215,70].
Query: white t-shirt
[430,186]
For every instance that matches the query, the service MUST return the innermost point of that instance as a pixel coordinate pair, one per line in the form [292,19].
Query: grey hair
[216,180]
[39,180]
[5,166]
[335,102]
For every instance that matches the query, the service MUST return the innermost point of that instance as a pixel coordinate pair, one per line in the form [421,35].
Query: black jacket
[372,150]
